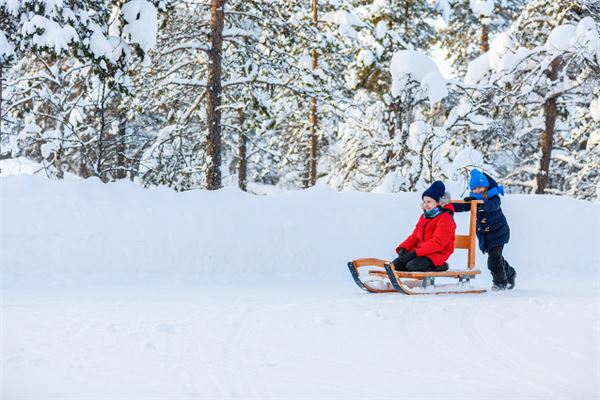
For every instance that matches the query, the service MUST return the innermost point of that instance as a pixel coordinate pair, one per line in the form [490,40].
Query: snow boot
[511,280]
[498,287]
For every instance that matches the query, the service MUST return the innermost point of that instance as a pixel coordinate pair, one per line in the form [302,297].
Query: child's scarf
[490,193]
[434,212]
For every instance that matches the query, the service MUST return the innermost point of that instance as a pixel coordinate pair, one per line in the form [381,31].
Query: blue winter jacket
[492,228]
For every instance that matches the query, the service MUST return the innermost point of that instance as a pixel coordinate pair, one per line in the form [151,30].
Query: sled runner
[382,278]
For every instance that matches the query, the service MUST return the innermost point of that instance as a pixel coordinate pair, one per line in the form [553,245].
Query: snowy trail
[298,341]
[114,292]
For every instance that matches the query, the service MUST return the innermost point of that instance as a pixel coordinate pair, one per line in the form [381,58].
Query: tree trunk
[59,154]
[242,154]
[2,155]
[213,175]
[101,136]
[390,121]
[1,98]
[312,176]
[313,142]
[546,142]
[485,45]
[120,173]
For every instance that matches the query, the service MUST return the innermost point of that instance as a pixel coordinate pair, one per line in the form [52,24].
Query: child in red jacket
[432,241]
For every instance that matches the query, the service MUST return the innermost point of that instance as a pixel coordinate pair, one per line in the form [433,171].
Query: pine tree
[467,34]
[75,58]
[371,32]
[532,95]
[263,100]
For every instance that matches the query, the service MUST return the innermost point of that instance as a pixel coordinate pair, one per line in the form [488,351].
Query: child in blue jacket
[492,229]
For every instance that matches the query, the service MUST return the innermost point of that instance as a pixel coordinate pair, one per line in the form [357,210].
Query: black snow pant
[499,267]
[421,264]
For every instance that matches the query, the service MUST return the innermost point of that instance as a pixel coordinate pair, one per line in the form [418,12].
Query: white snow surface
[19,166]
[117,292]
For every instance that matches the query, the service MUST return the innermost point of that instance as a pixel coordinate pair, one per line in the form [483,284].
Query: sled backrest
[469,242]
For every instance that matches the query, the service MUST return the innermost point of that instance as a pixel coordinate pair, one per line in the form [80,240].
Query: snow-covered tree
[536,94]
[469,25]
[265,92]
[75,60]
[370,32]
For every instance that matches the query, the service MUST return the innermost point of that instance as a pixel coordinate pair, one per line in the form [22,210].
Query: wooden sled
[384,279]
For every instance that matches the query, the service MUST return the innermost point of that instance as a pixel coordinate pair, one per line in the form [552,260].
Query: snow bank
[62,233]
[266,277]
[19,166]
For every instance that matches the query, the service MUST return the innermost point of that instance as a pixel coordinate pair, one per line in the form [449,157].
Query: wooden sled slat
[368,262]
[462,242]
[410,283]
[415,287]
[445,274]
[365,285]
[378,273]
[378,290]
[421,275]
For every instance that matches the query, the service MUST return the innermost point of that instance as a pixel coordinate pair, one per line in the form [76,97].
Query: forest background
[205,94]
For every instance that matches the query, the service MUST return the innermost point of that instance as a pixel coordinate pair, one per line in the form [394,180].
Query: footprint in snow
[165,328]
[149,346]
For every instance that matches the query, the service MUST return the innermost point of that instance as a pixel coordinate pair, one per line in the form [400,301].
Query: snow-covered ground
[115,292]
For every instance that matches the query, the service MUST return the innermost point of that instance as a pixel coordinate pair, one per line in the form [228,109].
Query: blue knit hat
[478,179]
[435,191]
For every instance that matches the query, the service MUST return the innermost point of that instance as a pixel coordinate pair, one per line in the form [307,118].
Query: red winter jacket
[433,238]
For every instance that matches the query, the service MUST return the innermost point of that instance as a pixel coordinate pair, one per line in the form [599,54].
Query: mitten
[398,266]
[406,257]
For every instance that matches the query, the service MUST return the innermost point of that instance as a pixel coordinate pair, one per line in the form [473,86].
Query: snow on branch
[421,68]
[187,46]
